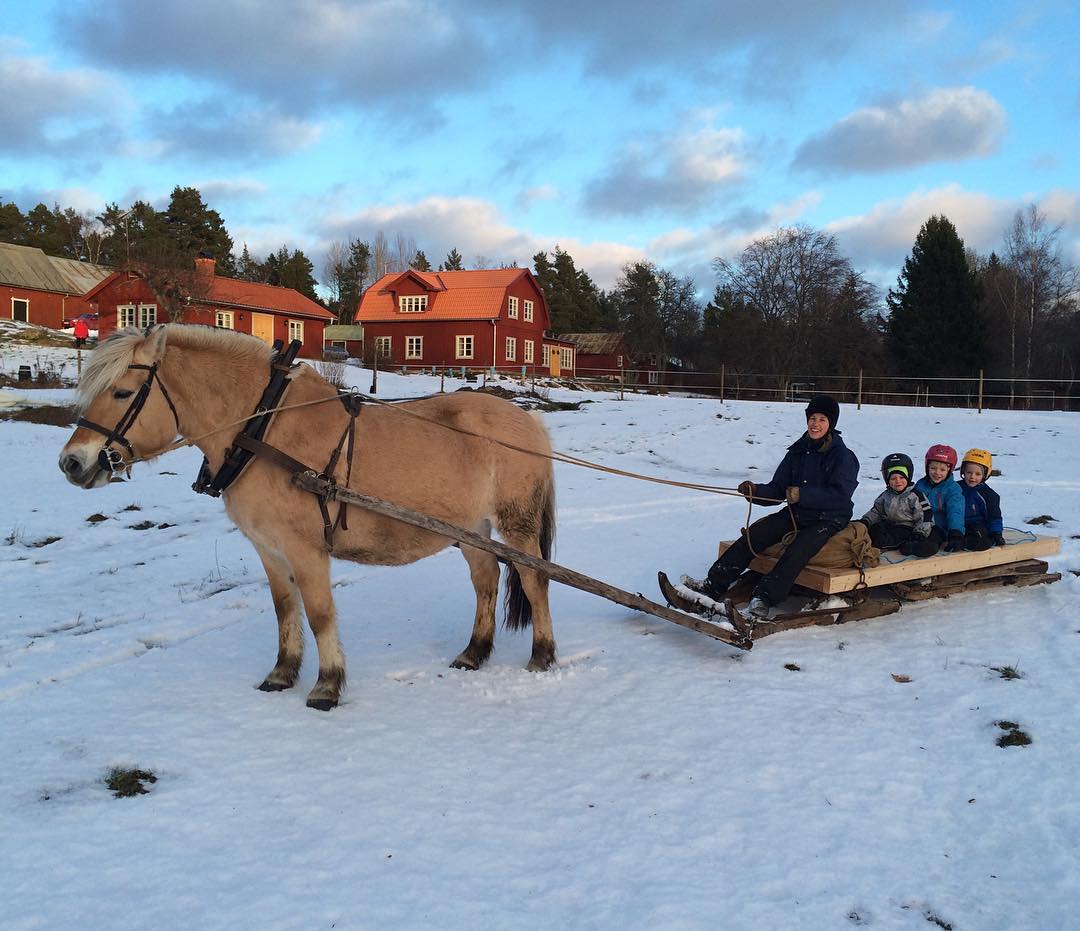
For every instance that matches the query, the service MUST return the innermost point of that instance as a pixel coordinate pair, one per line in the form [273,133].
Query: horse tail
[518,609]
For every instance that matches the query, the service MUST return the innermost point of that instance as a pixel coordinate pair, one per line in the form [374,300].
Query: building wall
[47,308]
[137,291]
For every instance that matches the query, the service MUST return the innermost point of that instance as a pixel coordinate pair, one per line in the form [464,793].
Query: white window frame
[512,307]
[654,377]
[527,315]
[24,301]
[224,320]
[529,350]
[296,330]
[464,346]
[412,303]
[511,349]
[126,315]
[414,347]
[384,346]
[566,358]
[147,315]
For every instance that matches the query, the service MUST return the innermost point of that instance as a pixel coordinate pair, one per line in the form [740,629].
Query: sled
[883,589]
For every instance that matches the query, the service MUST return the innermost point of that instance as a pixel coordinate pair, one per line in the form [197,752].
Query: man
[82,332]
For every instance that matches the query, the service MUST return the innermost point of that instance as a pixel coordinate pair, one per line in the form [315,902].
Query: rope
[554,455]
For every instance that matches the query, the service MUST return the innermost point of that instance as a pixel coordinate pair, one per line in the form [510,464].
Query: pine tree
[194,228]
[420,262]
[453,262]
[247,269]
[934,328]
[292,270]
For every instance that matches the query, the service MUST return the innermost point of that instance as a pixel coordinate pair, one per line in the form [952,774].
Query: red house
[481,318]
[263,310]
[43,289]
[606,355]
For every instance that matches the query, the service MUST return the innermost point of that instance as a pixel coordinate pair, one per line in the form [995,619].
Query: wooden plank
[835,581]
[309,481]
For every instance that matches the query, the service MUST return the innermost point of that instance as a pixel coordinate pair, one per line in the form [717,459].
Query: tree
[453,262]
[292,270]
[247,268]
[420,262]
[657,311]
[778,304]
[194,229]
[12,224]
[347,270]
[575,303]
[934,327]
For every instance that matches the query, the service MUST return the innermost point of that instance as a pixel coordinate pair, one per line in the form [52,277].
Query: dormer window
[512,308]
[412,303]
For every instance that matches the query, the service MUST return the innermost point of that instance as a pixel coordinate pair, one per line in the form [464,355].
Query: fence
[976,392]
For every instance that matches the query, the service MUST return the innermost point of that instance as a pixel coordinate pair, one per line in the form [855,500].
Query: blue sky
[616,130]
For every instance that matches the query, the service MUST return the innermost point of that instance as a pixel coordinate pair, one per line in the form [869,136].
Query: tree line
[790,302]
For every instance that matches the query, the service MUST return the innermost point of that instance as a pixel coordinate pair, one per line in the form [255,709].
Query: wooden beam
[309,481]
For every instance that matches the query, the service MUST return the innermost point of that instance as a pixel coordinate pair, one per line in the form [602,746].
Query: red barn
[264,310]
[43,289]
[481,318]
[607,355]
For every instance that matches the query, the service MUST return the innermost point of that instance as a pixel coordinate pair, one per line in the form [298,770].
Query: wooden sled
[883,590]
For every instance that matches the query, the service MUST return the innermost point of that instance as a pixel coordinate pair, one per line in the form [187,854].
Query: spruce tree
[453,262]
[934,328]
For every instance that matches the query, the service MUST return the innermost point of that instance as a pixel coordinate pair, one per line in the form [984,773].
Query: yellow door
[262,326]
[554,363]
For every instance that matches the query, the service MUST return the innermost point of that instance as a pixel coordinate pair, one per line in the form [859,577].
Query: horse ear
[156,337]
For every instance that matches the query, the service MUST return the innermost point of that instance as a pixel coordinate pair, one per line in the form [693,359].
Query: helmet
[897,462]
[939,452]
[980,457]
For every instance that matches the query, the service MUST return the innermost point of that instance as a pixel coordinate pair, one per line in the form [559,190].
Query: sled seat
[895,568]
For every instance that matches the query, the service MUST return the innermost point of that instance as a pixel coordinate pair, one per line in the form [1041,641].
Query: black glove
[955,542]
[998,539]
[746,489]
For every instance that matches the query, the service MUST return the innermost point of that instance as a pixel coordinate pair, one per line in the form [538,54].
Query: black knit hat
[823,404]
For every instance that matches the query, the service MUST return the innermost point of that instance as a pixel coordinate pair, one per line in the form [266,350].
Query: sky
[618,132]
[844,777]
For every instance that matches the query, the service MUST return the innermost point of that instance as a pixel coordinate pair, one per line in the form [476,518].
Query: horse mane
[113,355]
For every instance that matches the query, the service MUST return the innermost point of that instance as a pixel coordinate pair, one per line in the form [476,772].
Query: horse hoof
[543,658]
[465,662]
[268,686]
[322,704]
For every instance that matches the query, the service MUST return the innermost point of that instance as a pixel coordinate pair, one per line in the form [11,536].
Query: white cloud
[946,124]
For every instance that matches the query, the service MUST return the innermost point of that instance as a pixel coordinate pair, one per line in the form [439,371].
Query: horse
[468,458]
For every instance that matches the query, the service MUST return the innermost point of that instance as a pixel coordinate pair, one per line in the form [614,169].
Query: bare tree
[381,255]
[403,252]
[337,256]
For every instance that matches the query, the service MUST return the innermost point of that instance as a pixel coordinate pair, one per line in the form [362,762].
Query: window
[412,303]
[654,378]
[512,308]
[20,309]
[414,347]
[296,330]
[511,349]
[224,320]
[337,344]
[528,312]
[464,347]
[382,347]
[566,358]
[528,350]
[141,315]
[618,362]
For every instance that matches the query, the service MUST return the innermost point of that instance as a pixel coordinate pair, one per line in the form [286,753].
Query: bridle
[112,460]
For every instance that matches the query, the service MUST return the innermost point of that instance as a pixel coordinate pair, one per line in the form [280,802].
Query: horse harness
[248,444]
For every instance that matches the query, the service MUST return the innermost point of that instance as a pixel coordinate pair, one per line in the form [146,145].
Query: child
[901,514]
[982,506]
[947,502]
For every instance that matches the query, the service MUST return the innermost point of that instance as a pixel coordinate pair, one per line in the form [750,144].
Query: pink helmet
[939,452]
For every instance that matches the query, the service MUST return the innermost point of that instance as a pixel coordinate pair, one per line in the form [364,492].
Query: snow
[654,779]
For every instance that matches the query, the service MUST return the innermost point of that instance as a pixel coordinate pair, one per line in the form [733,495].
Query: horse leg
[312,572]
[484,571]
[535,586]
[290,638]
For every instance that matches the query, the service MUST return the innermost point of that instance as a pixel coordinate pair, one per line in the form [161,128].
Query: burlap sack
[850,547]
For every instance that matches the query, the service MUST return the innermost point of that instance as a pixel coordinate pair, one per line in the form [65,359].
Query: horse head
[125,409]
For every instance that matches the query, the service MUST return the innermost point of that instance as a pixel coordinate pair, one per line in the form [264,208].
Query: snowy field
[655,779]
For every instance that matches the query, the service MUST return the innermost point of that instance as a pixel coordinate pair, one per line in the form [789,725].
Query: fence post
[442,382]
[622,383]
[374,373]
[858,406]
[723,369]
[980,390]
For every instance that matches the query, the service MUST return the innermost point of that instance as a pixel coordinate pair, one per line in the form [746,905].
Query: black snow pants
[775,586]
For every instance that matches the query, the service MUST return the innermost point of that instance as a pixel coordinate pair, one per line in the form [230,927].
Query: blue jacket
[947,501]
[982,506]
[826,474]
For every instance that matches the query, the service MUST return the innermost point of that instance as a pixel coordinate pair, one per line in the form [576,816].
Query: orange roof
[476,294]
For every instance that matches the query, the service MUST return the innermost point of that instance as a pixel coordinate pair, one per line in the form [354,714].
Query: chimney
[204,266]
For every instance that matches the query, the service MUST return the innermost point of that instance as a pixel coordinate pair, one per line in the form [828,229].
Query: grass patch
[1008,672]
[46,542]
[48,414]
[1041,519]
[142,525]
[96,518]
[1013,736]
[792,667]
[124,783]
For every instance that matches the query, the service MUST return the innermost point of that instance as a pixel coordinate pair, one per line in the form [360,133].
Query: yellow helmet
[979,457]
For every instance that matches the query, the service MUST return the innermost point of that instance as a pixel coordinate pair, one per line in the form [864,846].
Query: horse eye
[122,393]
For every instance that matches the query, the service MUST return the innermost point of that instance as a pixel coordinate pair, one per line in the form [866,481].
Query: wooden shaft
[311,482]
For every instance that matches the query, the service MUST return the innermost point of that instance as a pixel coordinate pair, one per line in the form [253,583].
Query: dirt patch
[37,544]
[50,415]
[96,518]
[792,667]
[142,525]
[1041,519]
[1008,672]
[124,783]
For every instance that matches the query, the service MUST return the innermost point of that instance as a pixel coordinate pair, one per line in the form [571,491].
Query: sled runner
[841,595]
